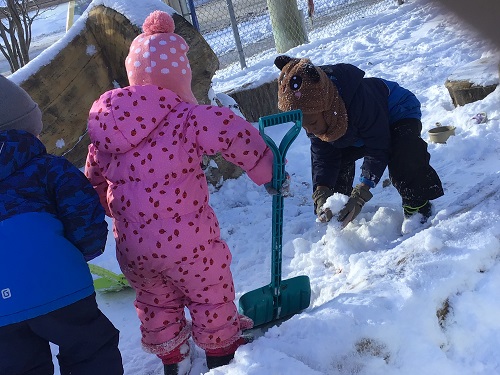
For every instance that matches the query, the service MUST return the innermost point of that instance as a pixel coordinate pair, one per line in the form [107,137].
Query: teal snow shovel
[281,298]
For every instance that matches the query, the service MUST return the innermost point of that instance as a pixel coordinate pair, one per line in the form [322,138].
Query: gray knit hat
[17,109]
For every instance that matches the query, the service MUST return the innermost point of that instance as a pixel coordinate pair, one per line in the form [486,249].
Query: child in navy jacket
[349,117]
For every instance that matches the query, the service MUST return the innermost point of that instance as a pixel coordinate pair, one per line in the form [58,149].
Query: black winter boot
[218,357]
[181,368]
[424,209]
[415,217]
[172,369]
[213,362]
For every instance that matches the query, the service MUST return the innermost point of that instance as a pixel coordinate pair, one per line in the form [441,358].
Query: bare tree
[16,18]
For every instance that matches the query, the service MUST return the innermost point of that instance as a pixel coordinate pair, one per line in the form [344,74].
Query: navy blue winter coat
[51,222]
[373,106]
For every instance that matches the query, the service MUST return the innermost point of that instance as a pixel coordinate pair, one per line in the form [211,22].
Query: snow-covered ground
[381,303]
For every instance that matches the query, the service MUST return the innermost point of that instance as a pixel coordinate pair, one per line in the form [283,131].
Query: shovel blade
[259,304]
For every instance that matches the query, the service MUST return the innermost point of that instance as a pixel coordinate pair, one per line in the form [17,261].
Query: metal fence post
[193,15]
[236,34]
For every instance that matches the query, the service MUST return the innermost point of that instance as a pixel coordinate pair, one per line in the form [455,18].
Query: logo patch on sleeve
[6,293]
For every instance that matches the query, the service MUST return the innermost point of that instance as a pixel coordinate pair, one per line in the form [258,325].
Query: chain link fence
[242,31]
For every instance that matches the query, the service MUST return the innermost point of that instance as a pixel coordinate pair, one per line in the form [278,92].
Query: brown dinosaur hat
[301,85]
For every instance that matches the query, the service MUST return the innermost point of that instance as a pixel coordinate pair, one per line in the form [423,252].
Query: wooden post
[185,9]
[287,23]
[71,15]
[179,6]
[174,4]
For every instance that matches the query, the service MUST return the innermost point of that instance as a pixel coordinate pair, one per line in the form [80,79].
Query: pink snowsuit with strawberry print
[145,163]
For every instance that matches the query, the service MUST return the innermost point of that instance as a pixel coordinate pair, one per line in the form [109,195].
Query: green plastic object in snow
[281,298]
[107,281]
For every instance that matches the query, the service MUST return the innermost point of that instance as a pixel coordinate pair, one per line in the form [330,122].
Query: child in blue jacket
[349,117]
[51,224]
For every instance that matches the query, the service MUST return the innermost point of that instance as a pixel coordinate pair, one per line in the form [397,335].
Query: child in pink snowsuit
[148,140]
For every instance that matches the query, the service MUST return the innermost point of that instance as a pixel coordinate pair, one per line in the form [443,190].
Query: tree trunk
[287,23]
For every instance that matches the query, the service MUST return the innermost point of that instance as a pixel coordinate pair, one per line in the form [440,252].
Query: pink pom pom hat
[158,56]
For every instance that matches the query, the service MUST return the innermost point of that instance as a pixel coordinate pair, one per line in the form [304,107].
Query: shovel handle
[279,161]
[279,152]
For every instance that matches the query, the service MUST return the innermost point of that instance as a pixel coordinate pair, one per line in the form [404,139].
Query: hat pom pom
[158,22]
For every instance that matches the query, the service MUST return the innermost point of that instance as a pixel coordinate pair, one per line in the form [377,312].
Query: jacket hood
[17,148]
[346,78]
[122,118]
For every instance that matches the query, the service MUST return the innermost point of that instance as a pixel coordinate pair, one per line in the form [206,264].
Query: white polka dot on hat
[158,57]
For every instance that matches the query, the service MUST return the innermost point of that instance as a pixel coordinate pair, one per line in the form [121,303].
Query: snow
[484,71]
[382,303]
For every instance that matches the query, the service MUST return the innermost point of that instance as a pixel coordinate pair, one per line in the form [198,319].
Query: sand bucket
[440,134]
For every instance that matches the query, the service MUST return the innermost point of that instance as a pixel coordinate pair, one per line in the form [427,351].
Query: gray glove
[359,196]
[320,195]
[284,189]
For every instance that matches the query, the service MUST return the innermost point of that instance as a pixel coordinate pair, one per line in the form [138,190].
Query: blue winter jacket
[373,106]
[51,222]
